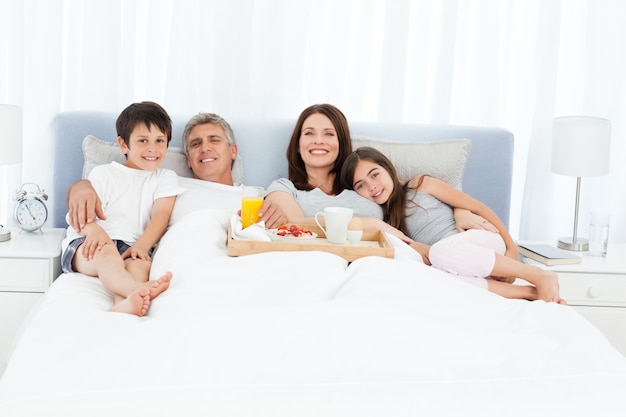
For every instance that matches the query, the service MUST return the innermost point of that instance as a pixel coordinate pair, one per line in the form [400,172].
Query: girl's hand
[374,223]
[423,249]
[466,220]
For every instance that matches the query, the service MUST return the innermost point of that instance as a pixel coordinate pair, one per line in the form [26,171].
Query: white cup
[598,234]
[336,219]
[354,236]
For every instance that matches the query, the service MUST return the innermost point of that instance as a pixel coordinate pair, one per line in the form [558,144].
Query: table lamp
[10,153]
[580,148]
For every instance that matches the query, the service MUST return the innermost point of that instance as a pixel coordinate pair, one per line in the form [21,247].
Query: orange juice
[250,210]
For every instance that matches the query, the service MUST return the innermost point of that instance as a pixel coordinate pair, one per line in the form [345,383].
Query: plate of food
[291,233]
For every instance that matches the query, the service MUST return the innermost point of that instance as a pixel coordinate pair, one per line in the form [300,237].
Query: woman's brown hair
[297,171]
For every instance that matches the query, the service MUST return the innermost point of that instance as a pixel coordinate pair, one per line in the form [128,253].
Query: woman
[423,209]
[319,145]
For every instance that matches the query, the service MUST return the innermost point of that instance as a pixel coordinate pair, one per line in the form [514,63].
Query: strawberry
[293,231]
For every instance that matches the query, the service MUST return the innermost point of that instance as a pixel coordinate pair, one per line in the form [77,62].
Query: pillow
[98,152]
[444,160]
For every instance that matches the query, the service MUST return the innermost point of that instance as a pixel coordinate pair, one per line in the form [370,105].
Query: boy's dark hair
[147,112]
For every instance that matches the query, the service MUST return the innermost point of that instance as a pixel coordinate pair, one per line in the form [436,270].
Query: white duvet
[304,334]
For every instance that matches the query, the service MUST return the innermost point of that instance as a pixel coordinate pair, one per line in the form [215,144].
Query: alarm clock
[30,210]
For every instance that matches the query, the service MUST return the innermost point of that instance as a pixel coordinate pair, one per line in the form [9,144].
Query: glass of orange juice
[251,202]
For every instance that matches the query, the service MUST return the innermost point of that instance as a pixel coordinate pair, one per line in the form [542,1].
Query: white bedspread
[305,334]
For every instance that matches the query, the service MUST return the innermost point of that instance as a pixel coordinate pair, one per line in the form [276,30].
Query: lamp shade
[581,146]
[10,134]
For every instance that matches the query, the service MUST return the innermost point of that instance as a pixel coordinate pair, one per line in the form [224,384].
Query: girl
[423,210]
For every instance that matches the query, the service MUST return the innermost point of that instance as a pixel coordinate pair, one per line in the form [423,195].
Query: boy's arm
[161,212]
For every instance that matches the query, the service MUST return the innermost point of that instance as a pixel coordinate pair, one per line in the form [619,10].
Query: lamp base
[5,234]
[568,243]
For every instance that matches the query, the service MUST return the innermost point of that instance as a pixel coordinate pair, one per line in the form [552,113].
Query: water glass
[598,234]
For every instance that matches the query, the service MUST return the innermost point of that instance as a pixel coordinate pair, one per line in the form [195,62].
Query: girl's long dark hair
[297,171]
[394,209]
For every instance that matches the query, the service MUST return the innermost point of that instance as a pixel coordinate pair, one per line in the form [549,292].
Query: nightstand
[596,288]
[29,262]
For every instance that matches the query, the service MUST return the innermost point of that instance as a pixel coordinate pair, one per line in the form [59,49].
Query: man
[210,146]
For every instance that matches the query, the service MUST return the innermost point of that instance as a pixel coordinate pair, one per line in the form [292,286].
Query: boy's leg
[109,267]
[136,303]
[140,270]
[132,294]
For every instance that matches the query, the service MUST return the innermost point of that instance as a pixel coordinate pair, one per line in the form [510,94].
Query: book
[549,255]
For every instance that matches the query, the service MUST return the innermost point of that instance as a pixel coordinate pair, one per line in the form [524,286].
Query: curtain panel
[515,64]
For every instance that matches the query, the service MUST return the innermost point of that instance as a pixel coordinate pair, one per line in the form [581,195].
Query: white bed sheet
[304,334]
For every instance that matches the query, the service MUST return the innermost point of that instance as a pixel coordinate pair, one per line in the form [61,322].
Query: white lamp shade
[10,134]
[581,146]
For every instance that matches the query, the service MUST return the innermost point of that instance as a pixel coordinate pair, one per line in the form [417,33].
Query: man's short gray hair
[205,118]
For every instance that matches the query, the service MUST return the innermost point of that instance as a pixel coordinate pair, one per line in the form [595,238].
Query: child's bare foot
[136,303]
[548,287]
[160,285]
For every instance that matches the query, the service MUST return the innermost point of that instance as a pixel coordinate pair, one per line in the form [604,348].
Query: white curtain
[515,64]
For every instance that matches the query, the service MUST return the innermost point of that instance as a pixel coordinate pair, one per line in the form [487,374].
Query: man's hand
[273,215]
[84,205]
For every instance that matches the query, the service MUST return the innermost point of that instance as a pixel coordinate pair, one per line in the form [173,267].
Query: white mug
[337,219]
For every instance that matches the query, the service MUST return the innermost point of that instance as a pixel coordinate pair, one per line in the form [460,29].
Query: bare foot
[160,285]
[548,287]
[136,303]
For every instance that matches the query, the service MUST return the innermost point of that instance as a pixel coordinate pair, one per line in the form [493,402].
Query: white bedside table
[596,288]
[29,262]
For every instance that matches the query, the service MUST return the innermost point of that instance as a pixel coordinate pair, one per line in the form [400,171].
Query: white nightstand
[29,262]
[596,288]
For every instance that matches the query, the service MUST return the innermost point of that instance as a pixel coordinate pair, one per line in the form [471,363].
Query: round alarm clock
[30,210]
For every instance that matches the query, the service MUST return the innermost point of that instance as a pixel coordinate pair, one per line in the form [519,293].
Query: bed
[271,335]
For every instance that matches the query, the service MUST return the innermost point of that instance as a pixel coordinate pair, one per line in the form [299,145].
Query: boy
[137,199]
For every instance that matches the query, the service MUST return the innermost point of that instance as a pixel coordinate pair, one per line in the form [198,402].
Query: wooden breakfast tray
[373,243]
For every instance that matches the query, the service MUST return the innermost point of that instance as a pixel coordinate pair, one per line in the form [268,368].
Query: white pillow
[445,160]
[98,152]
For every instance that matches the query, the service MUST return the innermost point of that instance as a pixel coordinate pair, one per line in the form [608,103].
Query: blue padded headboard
[262,144]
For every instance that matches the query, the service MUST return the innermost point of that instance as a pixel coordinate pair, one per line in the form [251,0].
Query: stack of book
[547,254]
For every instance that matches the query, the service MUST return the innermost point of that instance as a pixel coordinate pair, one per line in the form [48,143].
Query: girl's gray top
[316,200]
[432,221]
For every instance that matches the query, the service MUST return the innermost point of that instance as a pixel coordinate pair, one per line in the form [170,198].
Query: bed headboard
[262,144]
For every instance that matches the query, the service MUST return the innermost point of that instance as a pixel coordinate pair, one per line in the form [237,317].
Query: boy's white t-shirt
[127,197]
